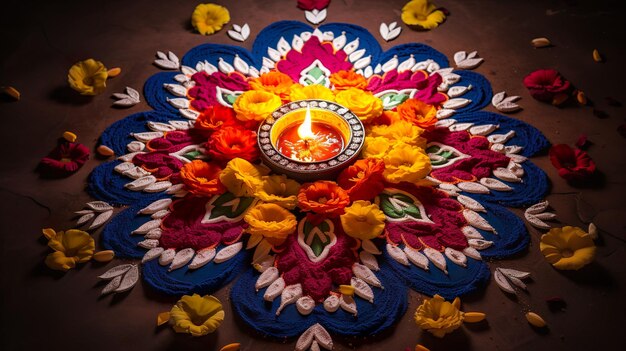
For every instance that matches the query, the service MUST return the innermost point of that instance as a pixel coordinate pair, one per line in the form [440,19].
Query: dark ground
[40,40]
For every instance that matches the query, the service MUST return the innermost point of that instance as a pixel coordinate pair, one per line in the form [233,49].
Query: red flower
[364,179]
[202,178]
[63,160]
[574,165]
[230,142]
[214,118]
[545,84]
[308,5]
[323,197]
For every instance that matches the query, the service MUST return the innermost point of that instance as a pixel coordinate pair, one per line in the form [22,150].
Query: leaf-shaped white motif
[471,232]
[316,334]
[148,243]
[355,56]
[507,107]
[391,64]
[224,66]
[538,207]
[182,258]
[390,32]
[305,305]
[228,252]
[362,63]
[85,218]
[161,127]
[115,271]
[178,102]
[406,64]
[436,258]
[239,33]
[474,188]
[176,89]
[339,42]
[152,254]
[202,258]
[470,203]
[416,257]
[129,279]
[456,103]
[369,260]
[146,227]
[283,46]
[445,113]
[362,290]
[501,138]
[459,127]
[384,30]
[135,146]
[240,65]
[275,289]
[141,183]
[112,285]
[351,46]
[502,282]
[172,57]
[331,304]
[470,63]
[497,98]
[536,222]
[188,70]
[484,129]
[157,187]
[397,254]
[472,252]
[161,55]
[154,233]
[167,257]
[456,256]
[458,90]
[477,221]
[146,136]
[506,175]
[315,16]
[445,123]
[362,272]
[347,303]
[459,56]
[128,157]
[188,113]
[99,206]
[289,295]
[545,216]
[134,94]
[101,219]
[514,273]
[156,206]
[479,244]
[370,247]
[495,184]
[267,278]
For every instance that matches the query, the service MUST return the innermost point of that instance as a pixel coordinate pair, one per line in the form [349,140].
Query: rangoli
[422,208]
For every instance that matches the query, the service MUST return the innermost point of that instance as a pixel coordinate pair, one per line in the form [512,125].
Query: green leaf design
[230,98]
[398,206]
[192,155]
[317,246]
[441,156]
[392,99]
[223,206]
[315,76]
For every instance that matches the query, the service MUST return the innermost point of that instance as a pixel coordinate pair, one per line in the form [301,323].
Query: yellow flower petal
[241,177]
[58,261]
[363,220]
[568,248]
[209,18]
[197,315]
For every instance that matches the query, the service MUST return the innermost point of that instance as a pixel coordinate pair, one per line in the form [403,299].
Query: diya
[310,139]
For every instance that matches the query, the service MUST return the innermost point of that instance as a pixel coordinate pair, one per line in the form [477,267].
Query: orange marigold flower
[364,179]
[417,112]
[343,80]
[232,142]
[323,197]
[216,117]
[202,178]
[388,117]
[273,82]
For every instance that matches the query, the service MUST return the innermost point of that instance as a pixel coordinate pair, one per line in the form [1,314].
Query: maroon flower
[64,160]
[308,5]
[545,84]
[574,165]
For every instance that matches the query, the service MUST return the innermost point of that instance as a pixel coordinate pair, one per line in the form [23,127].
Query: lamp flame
[304,131]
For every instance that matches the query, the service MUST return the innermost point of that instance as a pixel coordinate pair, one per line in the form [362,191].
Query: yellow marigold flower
[241,177]
[88,77]
[70,247]
[279,190]
[197,315]
[406,163]
[438,316]
[315,91]
[401,131]
[209,18]
[363,220]
[375,147]
[422,14]
[567,248]
[256,105]
[274,82]
[362,103]
[271,221]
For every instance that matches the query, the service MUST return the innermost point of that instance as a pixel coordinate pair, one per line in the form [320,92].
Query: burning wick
[304,131]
